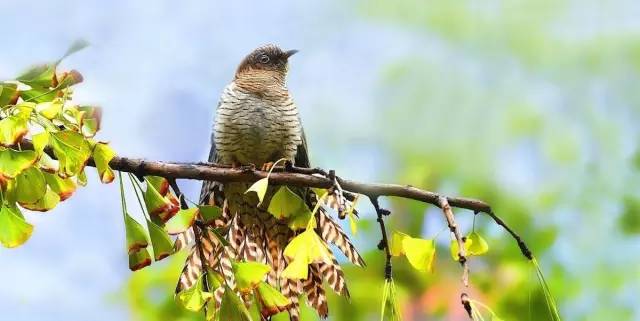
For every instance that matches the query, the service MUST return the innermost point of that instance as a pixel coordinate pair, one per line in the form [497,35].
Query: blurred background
[532,106]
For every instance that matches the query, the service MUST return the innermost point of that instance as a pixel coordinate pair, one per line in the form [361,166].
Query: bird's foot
[267,166]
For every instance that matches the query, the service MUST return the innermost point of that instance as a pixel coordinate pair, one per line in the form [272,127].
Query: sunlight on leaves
[286,203]
[64,187]
[12,130]
[31,186]
[304,249]
[13,162]
[102,155]
[71,150]
[419,252]
[271,300]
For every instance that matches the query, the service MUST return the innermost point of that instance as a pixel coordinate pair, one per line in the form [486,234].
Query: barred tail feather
[331,232]
[316,296]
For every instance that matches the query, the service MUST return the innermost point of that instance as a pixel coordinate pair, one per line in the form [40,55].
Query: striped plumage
[258,123]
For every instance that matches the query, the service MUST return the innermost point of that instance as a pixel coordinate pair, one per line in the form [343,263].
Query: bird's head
[267,59]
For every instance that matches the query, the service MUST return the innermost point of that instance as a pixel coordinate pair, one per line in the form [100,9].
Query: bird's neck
[262,82]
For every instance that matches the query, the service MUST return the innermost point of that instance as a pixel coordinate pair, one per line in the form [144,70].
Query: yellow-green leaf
[232,308]
[298,269]
[8,94]
[47,202]
[102,155]
[136,235]
[271,300]
[39,76]
[194,298]
[13,162]
[260,188]
[478,245]
[82,178]
[396,247]
[286,203]
[40,141]
[154,201]
[161,184]
[181,221]
[14,230]
[139,259]
[12,129]
[31,186]
[72,151]
[419,252]
[249,274]
[49,109]
[64,187]
[160,241]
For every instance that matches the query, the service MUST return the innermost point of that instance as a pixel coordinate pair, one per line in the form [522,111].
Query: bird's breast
[255,129]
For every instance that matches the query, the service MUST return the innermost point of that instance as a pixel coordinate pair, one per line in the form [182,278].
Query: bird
[256,124]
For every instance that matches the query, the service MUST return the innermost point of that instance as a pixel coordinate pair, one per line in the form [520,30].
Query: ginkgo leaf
[419,252]
[455,249]
[214,279]
[39,76]
[260,188]
[139,259]
[271,300]
[286,203]
[396,247]
[300,220]
[209,213]
[298,269]
[13,129]
[249,274]
[40,141]
[496,318]
[155,202]
[14,230]
[136,235]
[71,150]
[31,186]
[182,221]
[49,109]
[160,241]
[172,208]
[102,155]
[64,187]
[305,248]
[478,245]
[232,308]
[13,162]
[161,184]
[47,202]
[48,164]
[82,178]
[8,94]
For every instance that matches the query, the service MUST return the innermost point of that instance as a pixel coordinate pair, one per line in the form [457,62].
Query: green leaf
[13,162]
[157,204]
[31,186]
[271,300]
[214,279]
[40,141]
[136,235]
[13,129]
[232,308]
[182,221]
[286,203]
[64,187]
[160,241]
[161,184]
[300,220]
[478,245]
[71,150]
[260,188]
[298,269]
[8,94]
[249,274]
[49,109]
[419,252]
[454,248]
[496,318]
[14,230]
[82,178]
[139,259]
[75,47]
[209,213]
[46,203]
[194,298]
[102,155]
[40,76]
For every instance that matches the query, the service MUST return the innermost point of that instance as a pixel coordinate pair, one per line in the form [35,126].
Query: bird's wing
[302,154]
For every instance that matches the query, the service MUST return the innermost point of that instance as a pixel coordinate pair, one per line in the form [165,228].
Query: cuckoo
[256,124]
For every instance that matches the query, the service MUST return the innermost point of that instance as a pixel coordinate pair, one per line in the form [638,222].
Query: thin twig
[384,243]
[453,227]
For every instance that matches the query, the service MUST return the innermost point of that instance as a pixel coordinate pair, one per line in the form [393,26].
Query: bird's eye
[264,59]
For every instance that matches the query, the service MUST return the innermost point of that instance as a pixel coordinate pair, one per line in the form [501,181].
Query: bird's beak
[290,53]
